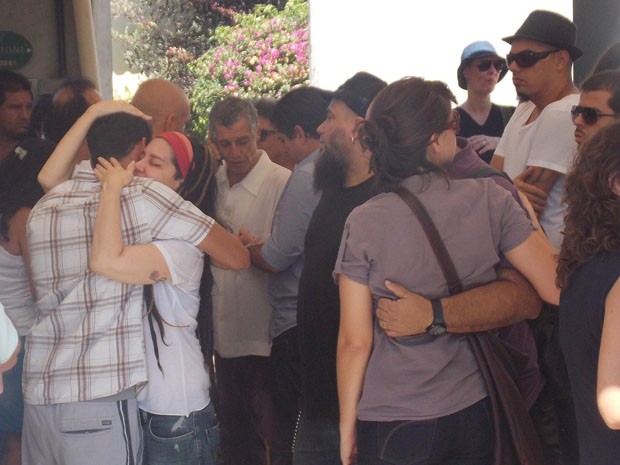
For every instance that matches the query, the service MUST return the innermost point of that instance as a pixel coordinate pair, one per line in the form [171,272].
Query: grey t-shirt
[424,376]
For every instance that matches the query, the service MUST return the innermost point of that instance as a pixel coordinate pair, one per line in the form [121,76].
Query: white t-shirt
[547,142]
[241,308]
[8,337]
[15,291]
[183,386]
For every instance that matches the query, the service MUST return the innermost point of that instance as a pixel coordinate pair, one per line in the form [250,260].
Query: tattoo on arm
[154,276]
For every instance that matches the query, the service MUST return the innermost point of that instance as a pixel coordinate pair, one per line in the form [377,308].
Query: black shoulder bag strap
[443,257]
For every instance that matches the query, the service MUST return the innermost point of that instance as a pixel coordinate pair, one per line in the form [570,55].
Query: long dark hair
[18,180]
[200,188]
[403,117]
[592,220]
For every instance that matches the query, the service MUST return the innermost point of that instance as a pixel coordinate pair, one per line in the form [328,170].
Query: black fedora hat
[549,28]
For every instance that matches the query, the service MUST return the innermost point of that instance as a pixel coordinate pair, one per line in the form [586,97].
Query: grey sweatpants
[98,432]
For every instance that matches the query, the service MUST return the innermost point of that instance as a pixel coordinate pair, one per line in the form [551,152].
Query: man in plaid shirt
[85,353]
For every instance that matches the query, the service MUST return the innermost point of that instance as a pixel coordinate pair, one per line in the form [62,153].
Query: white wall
[396,38]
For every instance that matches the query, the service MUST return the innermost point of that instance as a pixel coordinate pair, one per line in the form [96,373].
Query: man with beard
[342,172]
[599,104]
[15,110]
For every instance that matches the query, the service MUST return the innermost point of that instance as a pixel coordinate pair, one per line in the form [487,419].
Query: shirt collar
[254,179]
[84,172]
[310,159]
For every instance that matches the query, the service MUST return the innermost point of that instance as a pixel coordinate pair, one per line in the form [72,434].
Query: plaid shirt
[87,341]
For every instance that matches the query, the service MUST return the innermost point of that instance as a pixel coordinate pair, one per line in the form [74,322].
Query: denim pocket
[165,428]
[406,442]
[212,445]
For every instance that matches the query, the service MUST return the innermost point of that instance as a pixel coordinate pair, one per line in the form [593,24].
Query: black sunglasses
[527,58]
[263,134]
[589,115]
[485,65]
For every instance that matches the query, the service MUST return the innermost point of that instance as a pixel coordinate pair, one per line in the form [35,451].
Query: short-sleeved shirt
[547,142]
[87,340]
[182,386]
[318,303]
[284,250]
[424,376]
[582,311]
[241,308]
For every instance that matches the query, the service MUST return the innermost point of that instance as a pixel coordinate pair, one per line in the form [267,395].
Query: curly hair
[592,220]
[403,118]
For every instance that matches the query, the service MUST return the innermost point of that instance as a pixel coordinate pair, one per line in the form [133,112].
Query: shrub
[264,53]
[163,36]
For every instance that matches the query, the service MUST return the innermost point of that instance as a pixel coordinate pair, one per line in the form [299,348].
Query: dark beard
[330,171]
[522,98]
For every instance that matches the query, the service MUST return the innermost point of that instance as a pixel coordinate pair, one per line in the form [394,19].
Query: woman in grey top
[422,399]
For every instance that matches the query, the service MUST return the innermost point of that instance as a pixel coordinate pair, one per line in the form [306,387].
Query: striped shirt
[87,340]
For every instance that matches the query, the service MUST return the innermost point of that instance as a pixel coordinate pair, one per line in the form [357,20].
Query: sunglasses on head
[528,58]
[589,115]
[497,64]
[263,134]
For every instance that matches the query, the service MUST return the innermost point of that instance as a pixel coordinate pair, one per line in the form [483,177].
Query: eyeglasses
[454,123]
[528,58]
[485,65]
[589,115]
[263,134]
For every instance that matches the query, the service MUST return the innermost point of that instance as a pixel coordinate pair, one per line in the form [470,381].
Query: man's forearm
[509,299]
[257,259]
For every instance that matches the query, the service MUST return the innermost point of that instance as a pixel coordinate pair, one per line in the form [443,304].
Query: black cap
[549,28]
[358,91]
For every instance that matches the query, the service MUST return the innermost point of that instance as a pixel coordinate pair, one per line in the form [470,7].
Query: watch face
[436,329]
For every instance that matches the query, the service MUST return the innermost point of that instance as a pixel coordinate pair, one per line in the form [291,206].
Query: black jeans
[462,438]
[285,380]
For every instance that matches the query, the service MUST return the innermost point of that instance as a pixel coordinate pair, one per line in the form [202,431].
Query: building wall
[598,23]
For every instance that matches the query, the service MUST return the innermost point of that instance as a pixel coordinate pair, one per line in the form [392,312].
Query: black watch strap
[438,326]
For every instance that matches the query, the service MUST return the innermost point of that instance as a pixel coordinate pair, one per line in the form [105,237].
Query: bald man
[165,102]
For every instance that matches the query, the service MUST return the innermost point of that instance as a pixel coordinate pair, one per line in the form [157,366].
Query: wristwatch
[438,326]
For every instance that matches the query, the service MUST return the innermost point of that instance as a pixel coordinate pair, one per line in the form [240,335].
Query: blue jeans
[316,442]
[172,440]
[462,438]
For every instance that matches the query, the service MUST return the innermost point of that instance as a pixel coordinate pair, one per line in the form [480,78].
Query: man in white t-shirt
[538,145]
[536,150]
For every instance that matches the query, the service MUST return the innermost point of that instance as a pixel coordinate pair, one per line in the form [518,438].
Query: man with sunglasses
[599,104]
[537,148]
[536,151]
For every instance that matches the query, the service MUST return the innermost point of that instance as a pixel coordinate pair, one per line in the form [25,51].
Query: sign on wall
[15,50]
